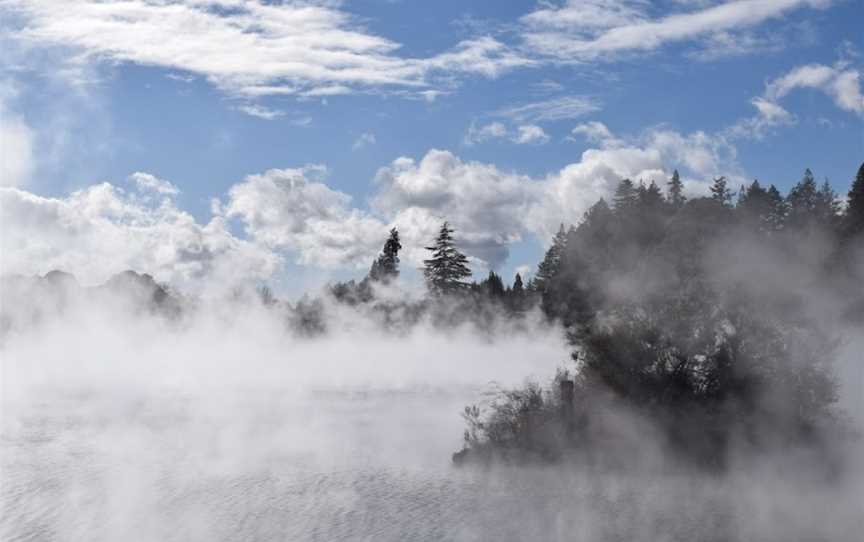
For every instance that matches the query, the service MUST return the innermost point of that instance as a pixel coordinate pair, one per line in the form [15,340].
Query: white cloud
[562,108]
[259,111]
[530,134]
[249,48]
[364,140]
[584,30]
[292,210]
[293,213]
[597,132]
[16,150]
[769,115]
[841,84]
[150,183]
[102,230]
[486,206]
[521,135]
[480,134]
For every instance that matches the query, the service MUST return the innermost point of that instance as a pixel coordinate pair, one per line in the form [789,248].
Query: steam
[222,423]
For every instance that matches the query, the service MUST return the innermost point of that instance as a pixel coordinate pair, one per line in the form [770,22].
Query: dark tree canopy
[675,192]
[386,267]
[720,192]
[446,269]
[854,220]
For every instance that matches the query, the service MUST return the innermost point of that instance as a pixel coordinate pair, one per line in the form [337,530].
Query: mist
[225,422]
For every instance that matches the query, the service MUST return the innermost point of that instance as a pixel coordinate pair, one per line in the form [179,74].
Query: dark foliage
[667,324]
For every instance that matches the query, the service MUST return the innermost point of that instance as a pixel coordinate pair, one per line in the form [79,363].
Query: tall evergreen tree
[827,212]
[626,197]
[854,218]
[720,192]
[518,287]
[493,286]
[754,207]
[386,267]
[675,194]
[802,203]
[551,260]
[447,267]
[776,219]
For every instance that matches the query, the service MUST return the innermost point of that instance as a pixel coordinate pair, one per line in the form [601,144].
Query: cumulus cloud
[250,48]
[293,210]
[580,30]
[103,229]
[480,134]
[293,213]
[530,134]
[485,204]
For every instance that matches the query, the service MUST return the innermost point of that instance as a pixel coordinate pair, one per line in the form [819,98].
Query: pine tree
[803,202]
[386,267]
[551,261]
[827,211]
[675,195]
[854,218]
[755,206]
[626,197]
[518,287]
[447,267]
[720,192]
[493,286]
[776,219]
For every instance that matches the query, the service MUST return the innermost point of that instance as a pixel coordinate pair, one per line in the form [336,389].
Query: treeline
[713,321]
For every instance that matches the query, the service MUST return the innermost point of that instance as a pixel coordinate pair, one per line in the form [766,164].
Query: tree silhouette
[447,267]
[675,194]
[625,197]
[386,267]
[551,260]
[854,219]
[720,192]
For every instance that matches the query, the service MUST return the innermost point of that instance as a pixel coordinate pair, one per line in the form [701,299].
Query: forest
[714,321]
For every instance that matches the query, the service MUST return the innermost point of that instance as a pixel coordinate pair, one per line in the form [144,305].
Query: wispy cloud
[259,111]
[579,31]
[523,134]
[364,140]
[562,108]
[252,48]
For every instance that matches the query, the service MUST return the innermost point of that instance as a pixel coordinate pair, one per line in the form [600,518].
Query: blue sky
[280,141]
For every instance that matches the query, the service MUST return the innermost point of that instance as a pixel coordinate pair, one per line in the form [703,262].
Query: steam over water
[131,431]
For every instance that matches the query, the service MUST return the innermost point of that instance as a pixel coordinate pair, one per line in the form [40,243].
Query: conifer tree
[827,212]
[493,285]
[754,206]
[386,267]
[548,268]
[854,218]
[776,219]
[518,287]
[720,192]
[802,202]
[626,197]
[447,267]
[675,195]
